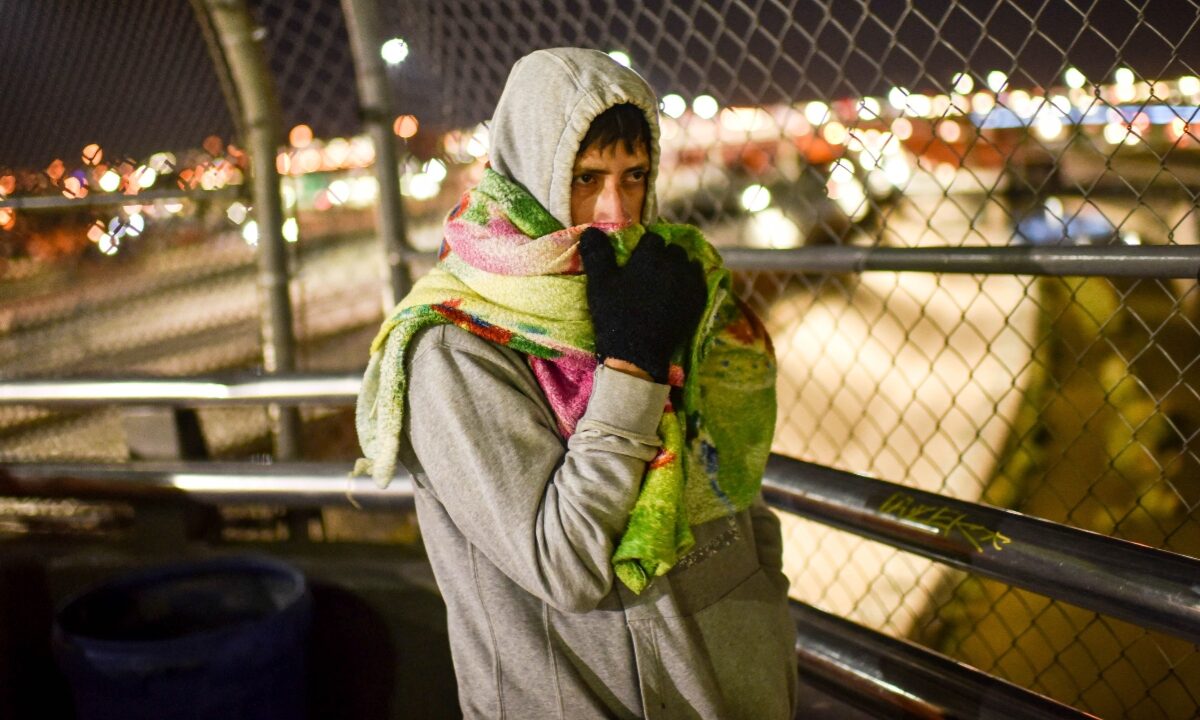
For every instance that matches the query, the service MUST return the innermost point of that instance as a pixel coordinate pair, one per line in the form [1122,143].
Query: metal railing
[902,679]
[1149,587]
[1163,261]
[868,668]
[290,485]
[234,389]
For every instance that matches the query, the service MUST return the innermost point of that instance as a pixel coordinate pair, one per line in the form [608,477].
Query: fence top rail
[1143,585]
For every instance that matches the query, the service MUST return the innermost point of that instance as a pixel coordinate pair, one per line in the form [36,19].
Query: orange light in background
[1177,131]
[337,151]
[213,145]
[96,231]
[8,183]
[92,154]
[73,187]
[300,136]
[949,131]
[8,218]
[283,163]
[362,152]
[1141,123]
[308,160]
[321,201]
[55,170]
[835,133]
[236,155]
[406,126]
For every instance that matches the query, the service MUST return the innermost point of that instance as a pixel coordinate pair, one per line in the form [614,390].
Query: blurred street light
[997,81]
[394,51]
[673,105]
[621,57]
[1074,78]
[705,106]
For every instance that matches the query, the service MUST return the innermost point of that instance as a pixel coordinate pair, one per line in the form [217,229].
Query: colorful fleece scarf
[511,274]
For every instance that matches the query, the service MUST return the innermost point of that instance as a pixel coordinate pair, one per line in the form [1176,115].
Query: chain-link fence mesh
[127,239]
[932,124]
[786,123]
[119,157]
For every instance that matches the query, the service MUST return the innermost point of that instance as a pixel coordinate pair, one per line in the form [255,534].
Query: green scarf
[510,273]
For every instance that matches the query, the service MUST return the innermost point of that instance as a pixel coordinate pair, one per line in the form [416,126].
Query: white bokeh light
[621,57]
[705,106]
[673,105]
[756,198]
[110,181]
[250,233]
[394,51]
[962,83]
[997,81]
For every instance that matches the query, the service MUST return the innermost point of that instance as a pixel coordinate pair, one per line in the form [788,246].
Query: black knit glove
[644,310]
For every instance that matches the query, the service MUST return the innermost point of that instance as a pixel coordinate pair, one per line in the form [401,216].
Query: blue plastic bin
[221,638]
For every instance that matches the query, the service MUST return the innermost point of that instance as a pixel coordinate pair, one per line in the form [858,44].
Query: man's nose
[610,206]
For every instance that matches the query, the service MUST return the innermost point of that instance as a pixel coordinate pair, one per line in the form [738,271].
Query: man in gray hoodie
[520,526]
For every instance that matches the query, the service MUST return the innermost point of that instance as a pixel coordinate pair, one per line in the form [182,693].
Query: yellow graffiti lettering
[945,520]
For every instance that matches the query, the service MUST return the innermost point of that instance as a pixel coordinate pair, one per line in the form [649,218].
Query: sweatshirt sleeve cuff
[623,402]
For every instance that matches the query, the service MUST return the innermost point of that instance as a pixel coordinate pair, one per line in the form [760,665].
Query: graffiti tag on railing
[944,520]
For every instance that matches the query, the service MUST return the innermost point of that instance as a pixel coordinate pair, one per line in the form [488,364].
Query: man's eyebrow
[591,170]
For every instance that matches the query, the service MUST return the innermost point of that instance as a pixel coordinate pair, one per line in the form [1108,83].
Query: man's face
[608,186]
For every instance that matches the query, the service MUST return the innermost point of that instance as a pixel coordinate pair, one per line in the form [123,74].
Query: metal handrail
[60,202]
[1146,586]
[244,389]
[899,678]
[1138,261]
[852,662]
[290,484]
[1134,261]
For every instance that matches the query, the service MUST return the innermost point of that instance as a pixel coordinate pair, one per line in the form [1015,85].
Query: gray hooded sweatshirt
[520,527]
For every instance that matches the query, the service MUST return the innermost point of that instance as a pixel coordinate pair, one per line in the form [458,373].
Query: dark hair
[620,123]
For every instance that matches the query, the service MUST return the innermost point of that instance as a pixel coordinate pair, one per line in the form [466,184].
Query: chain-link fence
[119,160]
[922,124]
[786,124]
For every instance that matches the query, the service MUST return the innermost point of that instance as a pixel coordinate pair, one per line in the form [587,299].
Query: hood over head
[547,106]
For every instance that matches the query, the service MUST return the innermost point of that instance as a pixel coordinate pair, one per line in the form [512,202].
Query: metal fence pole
[239,40]
[363,25]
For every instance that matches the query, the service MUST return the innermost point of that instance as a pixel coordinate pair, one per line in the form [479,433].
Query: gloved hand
[642,311]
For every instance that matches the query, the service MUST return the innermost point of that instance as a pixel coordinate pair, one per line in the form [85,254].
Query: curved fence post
[260,117]
[362,24]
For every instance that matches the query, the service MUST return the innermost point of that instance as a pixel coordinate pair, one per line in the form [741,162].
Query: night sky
[136,76]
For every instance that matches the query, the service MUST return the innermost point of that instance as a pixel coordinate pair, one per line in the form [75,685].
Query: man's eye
[638,175]
[584,179]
